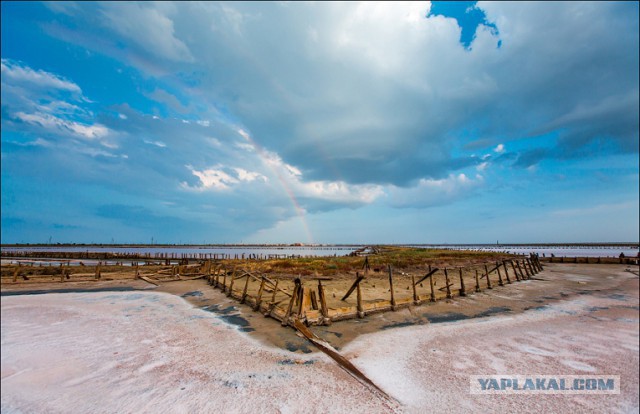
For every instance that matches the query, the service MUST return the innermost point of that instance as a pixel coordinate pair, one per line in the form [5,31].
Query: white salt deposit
[153,352]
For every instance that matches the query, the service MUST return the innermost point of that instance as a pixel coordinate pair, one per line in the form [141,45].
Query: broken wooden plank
[353,287]
[152,281]
[431,272]
[342,361]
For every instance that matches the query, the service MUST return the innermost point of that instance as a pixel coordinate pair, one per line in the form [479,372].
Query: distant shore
[271,245]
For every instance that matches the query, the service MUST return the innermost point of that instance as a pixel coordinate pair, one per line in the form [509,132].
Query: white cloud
[499,149]
[213,178]
[50,122]
[156,143]
[244,175]
[13,72]
[430,192]
[148,27]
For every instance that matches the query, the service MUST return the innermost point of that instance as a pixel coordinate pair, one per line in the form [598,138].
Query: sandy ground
[151,351]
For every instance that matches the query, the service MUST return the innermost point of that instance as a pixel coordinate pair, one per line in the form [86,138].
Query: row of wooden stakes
[309,305]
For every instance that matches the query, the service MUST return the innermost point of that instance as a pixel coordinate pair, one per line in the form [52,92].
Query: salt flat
[109,352]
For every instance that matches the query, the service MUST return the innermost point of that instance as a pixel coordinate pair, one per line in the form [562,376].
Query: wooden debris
[353,287]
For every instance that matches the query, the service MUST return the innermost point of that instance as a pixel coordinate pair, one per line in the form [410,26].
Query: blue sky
[320,122]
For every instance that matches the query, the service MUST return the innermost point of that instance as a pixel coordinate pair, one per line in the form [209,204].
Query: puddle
[597,308]
[295,347]
[400,325]
[493,311]
[230,315]
[446,317]
[194,293]
[292,362]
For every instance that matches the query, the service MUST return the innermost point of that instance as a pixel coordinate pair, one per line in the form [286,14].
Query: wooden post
[533,271]
[477,282]
[432,298]
[98,275]
[500,282]
[323,303]
[416,299]
[233,277]
[259,297]
[224,279]
[244,291]
[359,302]
[15,274]
[137,276]
[520,270]
[303,294]
[275,292]
[506,271]
[462,291]
[486,273]
[314,300]
[393,300]
[515,271]
[285,320]
[526,270]
[446,278]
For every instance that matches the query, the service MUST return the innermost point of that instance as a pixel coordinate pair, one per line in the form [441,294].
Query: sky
[319,122]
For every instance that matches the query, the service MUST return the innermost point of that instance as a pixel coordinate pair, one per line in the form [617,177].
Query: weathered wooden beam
[416,299]
[500,282]
[342,361]
[393,300]
[285,320]
[515,271]
[314,300]
[431,272]
[353,287]
[432,296]
[488,278]
[526,271]
[533,271]
[506,271]
[323,304]
[462,290]
[359,302]
[233,278]
[244,291]
[477,282]
[259,297]
[520,270]
[303,303]
[447,284]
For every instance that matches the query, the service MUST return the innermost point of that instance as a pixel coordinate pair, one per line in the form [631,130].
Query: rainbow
[300,211]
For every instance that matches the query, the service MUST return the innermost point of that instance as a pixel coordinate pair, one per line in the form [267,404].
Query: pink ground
[154,352]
